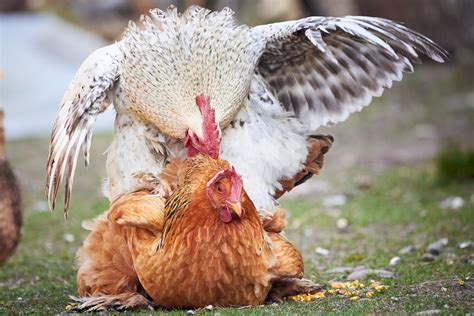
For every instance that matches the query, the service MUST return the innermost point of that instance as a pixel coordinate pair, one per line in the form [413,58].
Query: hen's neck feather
[190,206]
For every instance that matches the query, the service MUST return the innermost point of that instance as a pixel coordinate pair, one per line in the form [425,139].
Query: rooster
[10,203]
[271,87]
[204,245]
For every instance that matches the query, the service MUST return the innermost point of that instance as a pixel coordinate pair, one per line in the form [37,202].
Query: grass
[399,208]
[455,163]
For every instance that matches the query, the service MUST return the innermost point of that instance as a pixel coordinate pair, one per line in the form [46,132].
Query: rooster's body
[189,252]
[271,87]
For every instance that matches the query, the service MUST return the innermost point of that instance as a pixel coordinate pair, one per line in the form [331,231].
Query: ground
[383,164]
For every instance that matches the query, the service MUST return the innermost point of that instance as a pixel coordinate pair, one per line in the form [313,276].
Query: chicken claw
[291,286]
[121,301]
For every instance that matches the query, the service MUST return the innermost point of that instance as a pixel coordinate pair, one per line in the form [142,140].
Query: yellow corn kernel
[337,285]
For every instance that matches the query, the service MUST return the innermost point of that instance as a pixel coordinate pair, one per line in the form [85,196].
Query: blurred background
[400,173]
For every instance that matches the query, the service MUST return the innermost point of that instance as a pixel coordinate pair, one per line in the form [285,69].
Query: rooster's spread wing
[313,72]
[88,95]
[324,68]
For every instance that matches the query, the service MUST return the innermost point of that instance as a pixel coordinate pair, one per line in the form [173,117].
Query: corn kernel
[337,285]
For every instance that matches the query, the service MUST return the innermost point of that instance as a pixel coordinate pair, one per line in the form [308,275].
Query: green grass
[455,164]
[400,208]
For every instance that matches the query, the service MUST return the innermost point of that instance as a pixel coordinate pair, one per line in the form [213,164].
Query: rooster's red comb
[211,137]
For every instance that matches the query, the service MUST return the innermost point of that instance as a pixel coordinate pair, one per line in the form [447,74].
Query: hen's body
[203,260]
[183,254]
[10,204]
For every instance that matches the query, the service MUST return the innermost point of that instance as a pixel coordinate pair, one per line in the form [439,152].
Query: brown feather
[174,173]
[10,204]
[138,209]
[318,146]
[276,221]
[103,268]
[200,259]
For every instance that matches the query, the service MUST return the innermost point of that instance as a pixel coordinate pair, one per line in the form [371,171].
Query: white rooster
[271,87]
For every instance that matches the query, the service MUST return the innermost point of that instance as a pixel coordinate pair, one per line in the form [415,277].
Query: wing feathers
[323,69]
[85,98]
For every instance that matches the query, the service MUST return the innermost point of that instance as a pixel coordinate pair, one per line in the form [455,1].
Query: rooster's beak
[236,208]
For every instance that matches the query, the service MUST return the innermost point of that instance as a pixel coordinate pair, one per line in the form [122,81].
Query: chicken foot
[291,286]
[122,301]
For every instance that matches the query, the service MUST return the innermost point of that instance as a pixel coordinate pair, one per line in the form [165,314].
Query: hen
[10,203]
[205,245]
[271,85]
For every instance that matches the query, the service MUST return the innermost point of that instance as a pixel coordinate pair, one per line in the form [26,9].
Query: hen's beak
[236,208]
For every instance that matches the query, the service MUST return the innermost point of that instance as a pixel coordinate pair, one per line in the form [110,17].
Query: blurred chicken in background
[10,203]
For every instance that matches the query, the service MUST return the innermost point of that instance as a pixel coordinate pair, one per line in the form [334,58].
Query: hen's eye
[219,188]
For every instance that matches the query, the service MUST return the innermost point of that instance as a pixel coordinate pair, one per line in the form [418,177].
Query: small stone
[436,247]
[363,273]
[190,312]
[339,270]
[465,244]
[443,289]
[429,312]
[394,261]
[342,224]
[395,299]
[334,200]
[321,251]
[69,237]
[406,249]
[452,202]
[470,262]
[427,257]
[209,307]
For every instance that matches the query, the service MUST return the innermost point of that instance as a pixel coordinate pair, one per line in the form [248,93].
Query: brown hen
[205,246]
[10,203]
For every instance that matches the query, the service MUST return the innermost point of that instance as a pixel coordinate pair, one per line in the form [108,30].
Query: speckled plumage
[272,86]
[174,57]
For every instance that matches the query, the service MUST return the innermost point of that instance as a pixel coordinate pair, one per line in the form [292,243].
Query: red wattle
[225,215]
